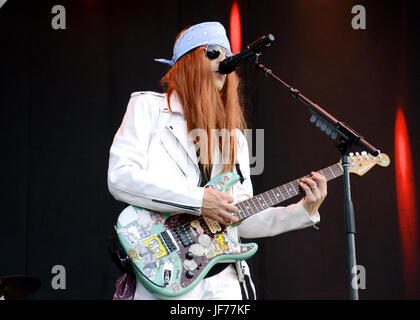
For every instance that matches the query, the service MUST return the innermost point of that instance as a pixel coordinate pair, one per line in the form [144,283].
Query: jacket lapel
[176,142]
[177,126]
[176,131]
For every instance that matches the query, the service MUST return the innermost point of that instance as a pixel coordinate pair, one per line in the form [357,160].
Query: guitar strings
[246,206]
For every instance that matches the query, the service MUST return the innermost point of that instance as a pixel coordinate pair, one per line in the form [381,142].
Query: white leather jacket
[153,164]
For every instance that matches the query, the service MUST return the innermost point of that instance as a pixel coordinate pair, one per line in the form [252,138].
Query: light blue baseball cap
[198,35]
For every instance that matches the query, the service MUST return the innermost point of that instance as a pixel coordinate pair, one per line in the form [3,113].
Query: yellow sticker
[157,246]
[221,243]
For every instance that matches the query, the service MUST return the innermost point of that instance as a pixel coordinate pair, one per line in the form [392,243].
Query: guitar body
[171,254]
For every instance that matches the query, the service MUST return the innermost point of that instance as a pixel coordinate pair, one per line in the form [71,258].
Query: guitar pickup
[169,241]
[185,235]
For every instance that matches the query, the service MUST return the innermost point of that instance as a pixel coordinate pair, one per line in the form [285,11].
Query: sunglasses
[213,51]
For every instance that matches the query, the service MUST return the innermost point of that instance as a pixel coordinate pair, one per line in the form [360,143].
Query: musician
[155,160]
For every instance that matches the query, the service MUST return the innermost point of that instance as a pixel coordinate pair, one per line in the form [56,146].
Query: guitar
[172,253]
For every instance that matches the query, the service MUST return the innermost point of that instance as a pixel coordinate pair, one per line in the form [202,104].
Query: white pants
[222,286]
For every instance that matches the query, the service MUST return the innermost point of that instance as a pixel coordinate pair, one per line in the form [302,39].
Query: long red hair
[203,105]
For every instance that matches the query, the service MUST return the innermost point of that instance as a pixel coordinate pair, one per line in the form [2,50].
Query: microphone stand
[331,126]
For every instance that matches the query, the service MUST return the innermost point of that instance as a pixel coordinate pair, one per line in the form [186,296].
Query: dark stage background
[63,94]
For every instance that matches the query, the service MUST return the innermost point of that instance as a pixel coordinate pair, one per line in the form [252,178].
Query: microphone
[230,64]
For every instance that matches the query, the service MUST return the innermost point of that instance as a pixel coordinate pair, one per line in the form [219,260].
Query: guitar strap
[238,170]
[247,287]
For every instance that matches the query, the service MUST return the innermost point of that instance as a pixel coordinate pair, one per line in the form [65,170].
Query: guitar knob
[189,274]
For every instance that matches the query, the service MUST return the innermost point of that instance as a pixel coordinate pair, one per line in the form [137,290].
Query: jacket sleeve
[273,220]
[128,180]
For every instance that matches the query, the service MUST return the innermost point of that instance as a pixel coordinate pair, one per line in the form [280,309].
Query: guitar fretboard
[279,194]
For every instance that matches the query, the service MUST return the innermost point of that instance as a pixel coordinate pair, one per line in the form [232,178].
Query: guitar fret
[273,198]
[267,193]
[244,210]
[259,202]
[265,201]
[324,174]
[279,193]
[286,192]
[288,188]
[252,200]
[296,186]
[274,195]
[332,172]
[238,214]
[248,208]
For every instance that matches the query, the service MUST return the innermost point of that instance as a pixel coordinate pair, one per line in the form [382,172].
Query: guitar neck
[282,193]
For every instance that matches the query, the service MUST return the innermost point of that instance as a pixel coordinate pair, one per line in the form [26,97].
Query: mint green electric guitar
[172,253]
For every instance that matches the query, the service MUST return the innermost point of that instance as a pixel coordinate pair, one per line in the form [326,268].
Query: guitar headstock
[362,163]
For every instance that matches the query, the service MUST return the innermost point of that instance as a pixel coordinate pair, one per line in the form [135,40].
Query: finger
[319,178]
[321,181]
[229,217]
[230,208]
[312,184]
[218,218]
[307,189]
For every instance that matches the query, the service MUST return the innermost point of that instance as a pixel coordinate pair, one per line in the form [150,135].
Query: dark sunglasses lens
[212,52]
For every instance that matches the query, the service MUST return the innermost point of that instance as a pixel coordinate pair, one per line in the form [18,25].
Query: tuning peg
[334,135]
[357,154]
[351,154]
[364,153]
[312,119]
